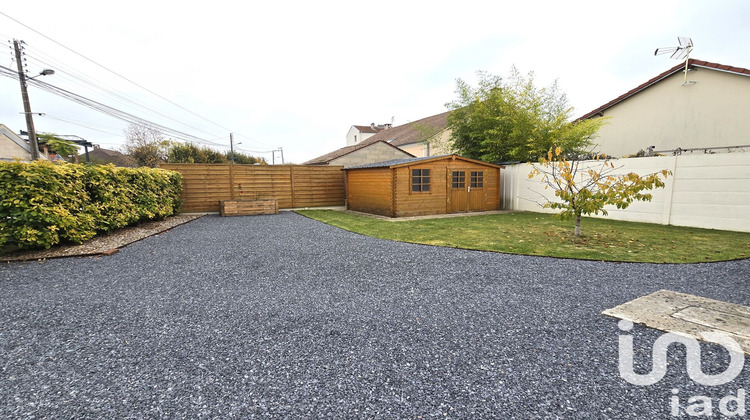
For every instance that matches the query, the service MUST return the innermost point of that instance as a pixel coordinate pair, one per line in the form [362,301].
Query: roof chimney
[372,125]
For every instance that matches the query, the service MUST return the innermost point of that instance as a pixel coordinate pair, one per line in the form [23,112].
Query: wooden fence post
[291,180]
[231,181]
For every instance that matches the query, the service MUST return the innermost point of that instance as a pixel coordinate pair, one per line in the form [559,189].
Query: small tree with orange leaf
[586,189]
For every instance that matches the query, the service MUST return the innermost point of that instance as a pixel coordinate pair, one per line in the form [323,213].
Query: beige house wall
[377,152]
[713,112]
[9,148]
[438,145]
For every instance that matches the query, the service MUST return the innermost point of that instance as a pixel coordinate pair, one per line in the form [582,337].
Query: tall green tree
[507,120]
[244,159]
[57,145]
[190,153]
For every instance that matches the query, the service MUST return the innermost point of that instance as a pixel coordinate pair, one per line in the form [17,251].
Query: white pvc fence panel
[706,191]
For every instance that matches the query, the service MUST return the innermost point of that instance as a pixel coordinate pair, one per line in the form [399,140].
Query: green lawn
[545,234]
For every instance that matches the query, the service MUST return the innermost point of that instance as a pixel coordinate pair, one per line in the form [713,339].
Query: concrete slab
[431,216]
[337,208]
[691,315]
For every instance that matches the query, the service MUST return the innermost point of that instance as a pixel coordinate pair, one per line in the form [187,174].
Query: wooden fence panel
[254,182]
[313,187]
[204,185]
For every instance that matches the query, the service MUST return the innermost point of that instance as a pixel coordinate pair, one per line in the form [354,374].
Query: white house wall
[713,112]
[352,133]
[705,191]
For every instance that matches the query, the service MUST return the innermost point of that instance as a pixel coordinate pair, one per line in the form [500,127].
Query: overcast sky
[298,74]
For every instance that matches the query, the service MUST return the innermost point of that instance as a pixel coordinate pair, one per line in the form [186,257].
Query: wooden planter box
[248,207]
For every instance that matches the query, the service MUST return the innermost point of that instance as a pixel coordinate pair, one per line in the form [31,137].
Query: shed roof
[396,163]
[676,69]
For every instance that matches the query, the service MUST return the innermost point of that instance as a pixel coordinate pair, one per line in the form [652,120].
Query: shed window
[477,179]
[458,179]
[420,180]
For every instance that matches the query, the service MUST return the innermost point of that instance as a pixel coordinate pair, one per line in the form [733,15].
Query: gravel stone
[284,317]
[103,244]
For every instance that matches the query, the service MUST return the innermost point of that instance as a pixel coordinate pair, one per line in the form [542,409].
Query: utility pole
[231,145]
[282,155]
[26,105]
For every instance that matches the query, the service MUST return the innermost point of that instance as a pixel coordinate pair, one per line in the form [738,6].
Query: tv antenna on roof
[679,53]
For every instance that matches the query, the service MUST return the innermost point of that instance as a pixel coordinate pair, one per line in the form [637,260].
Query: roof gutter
[721,70]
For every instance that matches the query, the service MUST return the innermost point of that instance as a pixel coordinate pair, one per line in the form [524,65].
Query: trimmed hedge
[43,203]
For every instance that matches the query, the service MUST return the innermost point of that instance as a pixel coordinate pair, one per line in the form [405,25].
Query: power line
[64,72]
[252,140]
[112,71]
[80,124]
[72,74]
[134,83]
[97,106]
[254,151]
[117,97]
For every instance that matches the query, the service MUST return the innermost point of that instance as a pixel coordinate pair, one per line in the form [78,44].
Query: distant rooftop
[372,128]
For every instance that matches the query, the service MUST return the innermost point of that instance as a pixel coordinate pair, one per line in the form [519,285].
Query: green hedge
[42,203]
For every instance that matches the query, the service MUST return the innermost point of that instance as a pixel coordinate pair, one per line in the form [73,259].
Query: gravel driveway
[285,317]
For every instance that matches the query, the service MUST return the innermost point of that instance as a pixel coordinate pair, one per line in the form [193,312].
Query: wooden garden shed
[423,186]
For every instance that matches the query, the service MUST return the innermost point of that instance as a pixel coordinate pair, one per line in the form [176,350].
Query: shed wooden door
[475,187]
[459,197]
[466,190]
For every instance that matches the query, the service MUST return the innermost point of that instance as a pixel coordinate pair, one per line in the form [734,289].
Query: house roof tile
[325,159]
[101,155]
[413,132]
[401,135]
[368,128]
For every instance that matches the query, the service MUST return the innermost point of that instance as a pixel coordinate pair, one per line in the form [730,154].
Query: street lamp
[45,72]
[25,96]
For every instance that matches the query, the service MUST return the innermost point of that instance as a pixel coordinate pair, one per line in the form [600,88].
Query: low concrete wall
[706,191]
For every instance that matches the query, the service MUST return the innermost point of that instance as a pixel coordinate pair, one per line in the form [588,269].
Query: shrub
[42,204]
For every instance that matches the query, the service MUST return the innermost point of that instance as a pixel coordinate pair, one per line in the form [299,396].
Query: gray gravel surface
[285,317]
